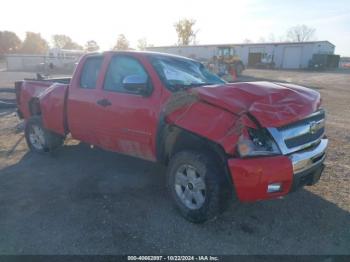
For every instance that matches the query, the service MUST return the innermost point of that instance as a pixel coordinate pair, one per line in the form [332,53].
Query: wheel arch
[173,139]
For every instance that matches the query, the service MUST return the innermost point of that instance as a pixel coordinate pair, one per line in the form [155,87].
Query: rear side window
[90,72]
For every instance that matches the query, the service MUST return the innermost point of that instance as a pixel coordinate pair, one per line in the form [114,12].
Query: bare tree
[65,42]
[271,38]
[300,33]
[262,39]
[91,46]
[142,44]
[59,41]
[122,43]
[185,31]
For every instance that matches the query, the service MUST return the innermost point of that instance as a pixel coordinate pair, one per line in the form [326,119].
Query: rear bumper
[252,176]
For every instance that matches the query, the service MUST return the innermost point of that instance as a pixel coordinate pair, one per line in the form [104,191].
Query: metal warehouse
[286,55]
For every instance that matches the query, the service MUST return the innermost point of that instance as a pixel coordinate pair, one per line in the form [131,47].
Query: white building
[286,55]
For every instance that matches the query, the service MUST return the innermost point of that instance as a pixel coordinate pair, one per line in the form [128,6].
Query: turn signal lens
[244,148]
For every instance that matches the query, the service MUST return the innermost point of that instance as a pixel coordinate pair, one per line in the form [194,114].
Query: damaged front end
[273,144]
[276,161]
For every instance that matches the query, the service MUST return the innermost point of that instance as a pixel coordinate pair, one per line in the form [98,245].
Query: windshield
[181,73]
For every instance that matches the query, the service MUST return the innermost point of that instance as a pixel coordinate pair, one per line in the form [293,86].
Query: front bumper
[251,176]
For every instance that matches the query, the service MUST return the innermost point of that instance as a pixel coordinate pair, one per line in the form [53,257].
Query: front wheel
[38,138]
[198,185]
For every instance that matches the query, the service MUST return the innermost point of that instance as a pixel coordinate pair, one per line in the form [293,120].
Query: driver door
[128,118]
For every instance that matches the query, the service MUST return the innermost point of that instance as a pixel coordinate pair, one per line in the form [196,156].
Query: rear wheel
[198,185]
[38,138]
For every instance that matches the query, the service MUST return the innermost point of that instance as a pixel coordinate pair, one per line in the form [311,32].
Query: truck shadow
[83,200]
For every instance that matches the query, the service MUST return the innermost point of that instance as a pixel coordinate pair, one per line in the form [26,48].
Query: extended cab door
[81,103]
[128,119]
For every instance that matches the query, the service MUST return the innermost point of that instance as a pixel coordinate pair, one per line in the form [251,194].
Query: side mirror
[136,83]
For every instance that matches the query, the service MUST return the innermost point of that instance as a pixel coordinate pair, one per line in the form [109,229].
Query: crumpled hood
[272,104]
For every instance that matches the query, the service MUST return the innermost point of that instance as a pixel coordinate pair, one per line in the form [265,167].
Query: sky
[217,21]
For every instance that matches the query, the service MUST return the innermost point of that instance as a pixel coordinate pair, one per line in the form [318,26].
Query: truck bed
[52,95]
[61,80]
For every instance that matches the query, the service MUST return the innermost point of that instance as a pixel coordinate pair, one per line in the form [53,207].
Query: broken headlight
[258,142]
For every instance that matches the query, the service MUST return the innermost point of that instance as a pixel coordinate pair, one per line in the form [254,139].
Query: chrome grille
[301,134]
[304,138]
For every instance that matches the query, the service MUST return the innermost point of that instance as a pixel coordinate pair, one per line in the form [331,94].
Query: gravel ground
[86,201]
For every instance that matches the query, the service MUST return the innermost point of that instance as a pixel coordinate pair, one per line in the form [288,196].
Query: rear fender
[26,92]
[53,108]
[34,106]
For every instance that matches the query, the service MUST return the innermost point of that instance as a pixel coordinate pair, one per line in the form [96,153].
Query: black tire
[218,188]
[51,141]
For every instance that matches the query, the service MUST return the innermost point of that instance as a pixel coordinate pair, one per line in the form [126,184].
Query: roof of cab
[143,53]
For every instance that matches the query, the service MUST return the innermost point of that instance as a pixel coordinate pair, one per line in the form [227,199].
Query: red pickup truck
[220,141]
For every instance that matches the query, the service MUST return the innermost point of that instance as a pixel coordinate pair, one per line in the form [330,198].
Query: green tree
[91,46]
[65,42]
[300,33]
[185,32]
[34,44]
[122,43]
[9,42]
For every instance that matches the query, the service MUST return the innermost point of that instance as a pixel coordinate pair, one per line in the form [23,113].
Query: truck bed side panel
[52,104]
[29,90]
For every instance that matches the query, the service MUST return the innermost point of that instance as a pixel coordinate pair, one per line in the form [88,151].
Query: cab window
[119,68]
[90,72]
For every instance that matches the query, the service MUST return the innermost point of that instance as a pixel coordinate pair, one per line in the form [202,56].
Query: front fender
[211,122]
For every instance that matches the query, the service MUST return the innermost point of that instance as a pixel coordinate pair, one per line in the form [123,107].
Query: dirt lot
[86,201]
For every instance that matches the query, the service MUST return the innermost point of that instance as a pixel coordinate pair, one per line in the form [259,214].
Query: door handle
[104,102]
